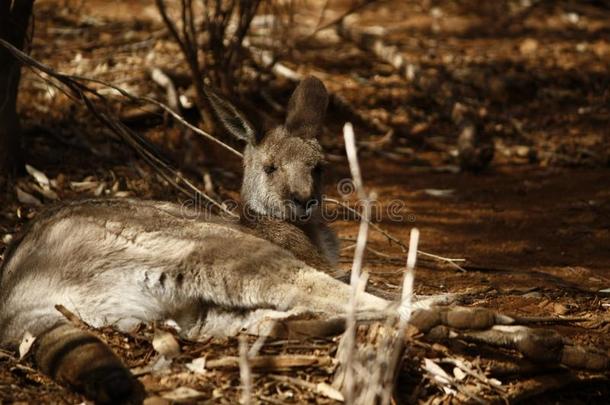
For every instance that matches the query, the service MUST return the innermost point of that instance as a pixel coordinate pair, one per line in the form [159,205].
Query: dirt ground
[534,227]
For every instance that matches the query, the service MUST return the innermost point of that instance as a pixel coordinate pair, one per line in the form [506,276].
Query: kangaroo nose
[303,202]
[299,200]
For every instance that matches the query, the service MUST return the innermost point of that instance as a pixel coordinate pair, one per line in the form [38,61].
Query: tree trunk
[14,19]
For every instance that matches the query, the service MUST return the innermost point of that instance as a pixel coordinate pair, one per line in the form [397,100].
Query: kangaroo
[120,262]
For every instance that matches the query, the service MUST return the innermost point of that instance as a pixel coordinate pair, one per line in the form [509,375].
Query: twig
[163,80]
[462,365]
[396,347]
[401,244]
[350,333]
[73,318]
[370,40]
[286,361]
[245,372]
[320,388]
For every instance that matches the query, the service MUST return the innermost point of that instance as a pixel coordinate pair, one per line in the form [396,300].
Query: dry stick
[357,281]
[163,80]
[72,317]
[370,41]
[405,309]
[462,365]
[165,107]
[403,246]
[245,371]
[320,388]
[286,361]
[188,46]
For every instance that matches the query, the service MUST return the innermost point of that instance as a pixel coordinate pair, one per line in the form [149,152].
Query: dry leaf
[458,374]
[161,365]
[83,185]
[495,382]
[26,198]
[26,344]
[197,365]
[45,192]
[165,344]
[439,375]
[100,189]
[329,392]
[183,393]
[39,176]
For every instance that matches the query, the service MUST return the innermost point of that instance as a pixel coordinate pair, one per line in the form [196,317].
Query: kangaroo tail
[81,361]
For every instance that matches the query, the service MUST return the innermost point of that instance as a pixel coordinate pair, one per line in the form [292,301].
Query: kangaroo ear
[306,108]
[232,119]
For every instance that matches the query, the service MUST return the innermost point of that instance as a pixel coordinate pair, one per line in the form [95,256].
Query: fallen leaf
[495,382]
[165,344]
[183,393]
[26,344]
[83,185]
[27,198]
[161,365]
[100,189]
[330,392]
[439,375]
[197,365]
[45,192]
[39,176]
[458,373]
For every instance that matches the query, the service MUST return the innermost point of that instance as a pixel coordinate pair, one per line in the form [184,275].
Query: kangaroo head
[283,167]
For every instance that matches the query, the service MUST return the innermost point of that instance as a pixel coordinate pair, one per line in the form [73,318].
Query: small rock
[560,309]
[156,401]
[165,344]
[529,46]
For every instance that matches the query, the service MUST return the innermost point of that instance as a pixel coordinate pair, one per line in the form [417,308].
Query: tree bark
[14,21]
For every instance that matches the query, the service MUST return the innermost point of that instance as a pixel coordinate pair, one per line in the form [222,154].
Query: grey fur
[118,262]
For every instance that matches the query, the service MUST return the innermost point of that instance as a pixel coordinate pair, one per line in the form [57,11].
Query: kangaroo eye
[269,169]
